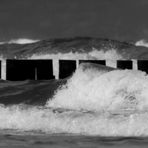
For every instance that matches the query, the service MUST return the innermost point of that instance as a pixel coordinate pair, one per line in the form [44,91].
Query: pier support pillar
[3,69]
[135,64]
[111,63]
[77,64]
[56,68]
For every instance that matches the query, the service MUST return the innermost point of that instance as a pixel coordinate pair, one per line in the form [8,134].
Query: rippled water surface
[70,141]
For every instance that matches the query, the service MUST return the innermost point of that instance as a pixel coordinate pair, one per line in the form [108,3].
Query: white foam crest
[113,91]
[92,55]
[93,102]
[19,41]
[142,42]
[45,120]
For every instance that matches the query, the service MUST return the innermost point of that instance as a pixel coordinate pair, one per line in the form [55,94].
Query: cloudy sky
[44,19]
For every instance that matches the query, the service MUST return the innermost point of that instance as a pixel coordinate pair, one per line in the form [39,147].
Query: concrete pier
[56,68]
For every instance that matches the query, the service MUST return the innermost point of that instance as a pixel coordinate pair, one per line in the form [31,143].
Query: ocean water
[95,107]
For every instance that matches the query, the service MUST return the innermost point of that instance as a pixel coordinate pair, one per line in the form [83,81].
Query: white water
[19,41]
[94,90]
[142,42]
[92,55]
[93,102]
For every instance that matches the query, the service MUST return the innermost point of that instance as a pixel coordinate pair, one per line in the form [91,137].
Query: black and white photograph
[73,73]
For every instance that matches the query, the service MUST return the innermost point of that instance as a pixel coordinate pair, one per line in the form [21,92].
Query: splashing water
[98,90]
[20,41]
[92,55]
[142,42]
[92,102]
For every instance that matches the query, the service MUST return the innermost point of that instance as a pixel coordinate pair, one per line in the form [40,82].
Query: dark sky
[44,19]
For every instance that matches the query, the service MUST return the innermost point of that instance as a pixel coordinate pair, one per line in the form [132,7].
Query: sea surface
[70,141]
[95,107]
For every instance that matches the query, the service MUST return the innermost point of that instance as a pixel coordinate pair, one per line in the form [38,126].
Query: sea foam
[94,54]
[93,102]
[95,90]
[142,42]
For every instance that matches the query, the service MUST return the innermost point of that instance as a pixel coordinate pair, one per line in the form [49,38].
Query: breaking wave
[19,41]
[94,101]
[95,90]
[142,42]
[111,54]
